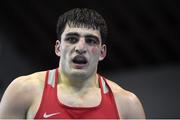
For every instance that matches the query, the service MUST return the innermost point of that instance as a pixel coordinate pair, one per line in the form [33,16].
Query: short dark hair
[82,17]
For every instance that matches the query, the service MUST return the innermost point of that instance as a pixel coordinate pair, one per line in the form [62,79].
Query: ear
[57,48]
[103,52]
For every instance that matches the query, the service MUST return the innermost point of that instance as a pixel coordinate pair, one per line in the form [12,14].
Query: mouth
[80,61]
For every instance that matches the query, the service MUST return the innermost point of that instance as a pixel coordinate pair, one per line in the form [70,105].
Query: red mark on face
[94,50]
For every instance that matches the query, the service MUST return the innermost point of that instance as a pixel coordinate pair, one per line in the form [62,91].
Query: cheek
[94,50]
[65,47]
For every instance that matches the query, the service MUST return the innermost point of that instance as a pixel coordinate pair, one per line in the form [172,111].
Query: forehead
[81,31]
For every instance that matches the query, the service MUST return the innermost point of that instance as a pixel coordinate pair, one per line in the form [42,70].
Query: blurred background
[143,46]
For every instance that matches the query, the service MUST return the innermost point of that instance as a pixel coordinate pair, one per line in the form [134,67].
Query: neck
[78,84]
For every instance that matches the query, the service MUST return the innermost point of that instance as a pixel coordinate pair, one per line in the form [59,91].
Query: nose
[80,47]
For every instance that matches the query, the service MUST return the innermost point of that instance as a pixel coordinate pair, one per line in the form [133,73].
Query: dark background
[143,46]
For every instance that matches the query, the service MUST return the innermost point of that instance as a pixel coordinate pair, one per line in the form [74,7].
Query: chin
[79,74]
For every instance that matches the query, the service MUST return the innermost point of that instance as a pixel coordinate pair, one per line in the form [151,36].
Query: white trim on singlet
[105,87]
[51,77]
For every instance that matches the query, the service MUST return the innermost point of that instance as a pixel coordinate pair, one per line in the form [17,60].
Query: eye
[92,41]
[71,39]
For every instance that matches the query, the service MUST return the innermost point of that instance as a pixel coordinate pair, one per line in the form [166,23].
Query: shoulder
[118,90]
[19,95]
[128,103]
[24,88]
[27,83]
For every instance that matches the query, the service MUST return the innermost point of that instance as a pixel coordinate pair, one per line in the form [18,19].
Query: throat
[77,91]
[79,84]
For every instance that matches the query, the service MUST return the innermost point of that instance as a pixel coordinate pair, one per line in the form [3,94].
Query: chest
[89,98]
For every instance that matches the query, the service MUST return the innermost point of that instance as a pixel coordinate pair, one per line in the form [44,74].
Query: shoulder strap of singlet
[103,84]
[49,83]
[52,78]
[106,89]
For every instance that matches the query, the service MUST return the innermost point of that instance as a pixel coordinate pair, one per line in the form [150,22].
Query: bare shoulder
[127,102]
[27,83]
[20,94]
[120,91]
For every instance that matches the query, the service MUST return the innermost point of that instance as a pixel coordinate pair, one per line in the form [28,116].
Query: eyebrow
[72,34]
[87,35]
[76,34]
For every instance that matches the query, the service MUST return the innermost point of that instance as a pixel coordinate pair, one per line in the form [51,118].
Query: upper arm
[135,108]
[16,99]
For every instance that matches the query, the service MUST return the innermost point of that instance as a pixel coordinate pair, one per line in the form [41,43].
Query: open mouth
[79,59]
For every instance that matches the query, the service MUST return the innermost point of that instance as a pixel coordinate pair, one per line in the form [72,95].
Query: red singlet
[52,108]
